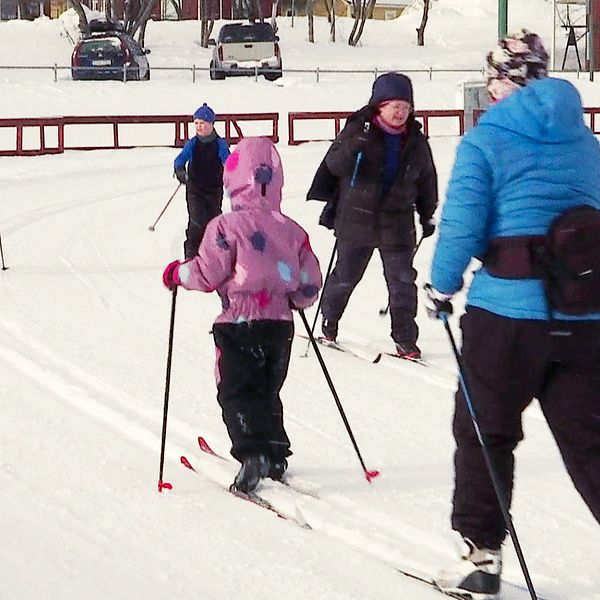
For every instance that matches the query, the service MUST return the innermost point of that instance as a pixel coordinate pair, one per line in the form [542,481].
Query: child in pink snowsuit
[261,264]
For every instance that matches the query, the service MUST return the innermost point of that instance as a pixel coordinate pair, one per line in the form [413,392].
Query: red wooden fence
[55,133]
[337,117]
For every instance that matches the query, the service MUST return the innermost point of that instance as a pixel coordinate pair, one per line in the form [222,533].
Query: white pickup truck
[246,49]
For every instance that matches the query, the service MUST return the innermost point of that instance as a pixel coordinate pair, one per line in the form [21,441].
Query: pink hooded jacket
[257,259]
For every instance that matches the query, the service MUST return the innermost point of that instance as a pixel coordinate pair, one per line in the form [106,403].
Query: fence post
[375,72]
[317,72]
[124,73]
[255,73]
[55,72]
[193,73]
[430,73]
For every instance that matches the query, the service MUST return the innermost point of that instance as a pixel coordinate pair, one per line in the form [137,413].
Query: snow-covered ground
[83,346]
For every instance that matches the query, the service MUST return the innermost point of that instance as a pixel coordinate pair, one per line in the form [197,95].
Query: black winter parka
[363,213]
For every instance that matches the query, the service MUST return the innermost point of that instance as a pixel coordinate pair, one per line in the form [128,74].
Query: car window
[106,46]
[259,32]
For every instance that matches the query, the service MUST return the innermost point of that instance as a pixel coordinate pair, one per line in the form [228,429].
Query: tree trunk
[177,9]
[83,22]
[357,9]
[274,9]
[140,19]
[367,12]
[108,11]
[311,20]
[421,28]
[330,7]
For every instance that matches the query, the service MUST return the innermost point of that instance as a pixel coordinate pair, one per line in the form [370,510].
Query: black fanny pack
[566,259]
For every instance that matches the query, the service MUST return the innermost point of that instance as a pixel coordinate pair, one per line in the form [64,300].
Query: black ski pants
[252,364]
[202,206]
[350,266]
[508,362]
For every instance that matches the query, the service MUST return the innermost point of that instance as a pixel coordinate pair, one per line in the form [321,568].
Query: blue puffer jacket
[529,159]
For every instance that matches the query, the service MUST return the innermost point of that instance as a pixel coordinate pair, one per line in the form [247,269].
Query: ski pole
[161,485]
[314,324]
[369,475]
[151,228]
[500,492]
[359,158]
[4,267]
[386,310]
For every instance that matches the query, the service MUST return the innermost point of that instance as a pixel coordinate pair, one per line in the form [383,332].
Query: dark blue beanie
[391,86]
[205,113]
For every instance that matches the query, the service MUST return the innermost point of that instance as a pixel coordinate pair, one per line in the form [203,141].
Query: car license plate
[101,63]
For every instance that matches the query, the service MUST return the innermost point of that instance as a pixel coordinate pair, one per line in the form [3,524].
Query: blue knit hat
[391,86]
[205,113]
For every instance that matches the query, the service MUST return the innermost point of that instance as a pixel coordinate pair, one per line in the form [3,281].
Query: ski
[248,497]
[206,448]
[433,585]
[299,518]
[418,361]
[372,357]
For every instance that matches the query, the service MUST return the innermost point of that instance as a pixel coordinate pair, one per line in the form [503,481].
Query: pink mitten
[171,275]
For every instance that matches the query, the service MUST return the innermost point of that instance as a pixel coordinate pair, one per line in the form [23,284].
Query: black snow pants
[350,266]
[252,364]
[202,205]
[508,362]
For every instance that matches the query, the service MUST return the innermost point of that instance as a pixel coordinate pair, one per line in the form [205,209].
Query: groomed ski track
[83,348]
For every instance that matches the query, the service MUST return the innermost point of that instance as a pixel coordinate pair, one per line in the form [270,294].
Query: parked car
[243,48]
[106,52]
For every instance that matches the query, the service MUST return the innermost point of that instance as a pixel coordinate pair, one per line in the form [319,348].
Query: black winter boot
[253,469]
[277,469]
[476,574]
[329,329]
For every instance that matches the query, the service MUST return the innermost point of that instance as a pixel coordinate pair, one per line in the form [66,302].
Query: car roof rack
[105,26]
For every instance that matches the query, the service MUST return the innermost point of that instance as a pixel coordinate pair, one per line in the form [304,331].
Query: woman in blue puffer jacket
[530,158]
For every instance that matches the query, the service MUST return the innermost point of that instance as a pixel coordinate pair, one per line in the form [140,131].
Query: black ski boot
[476,574]
[252,470]
[329,329]
[277,469]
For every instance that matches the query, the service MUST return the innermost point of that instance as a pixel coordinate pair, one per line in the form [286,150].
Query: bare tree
[83,22]
[421,28]
[330,7]
[310,16]
[362,9]
[208,13]
[137,13]
[177,8]
[274,10]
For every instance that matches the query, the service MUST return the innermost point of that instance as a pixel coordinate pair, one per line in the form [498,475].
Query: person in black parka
[204,154]
[375,174]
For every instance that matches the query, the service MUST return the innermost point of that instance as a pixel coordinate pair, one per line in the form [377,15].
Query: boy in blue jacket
[204,155]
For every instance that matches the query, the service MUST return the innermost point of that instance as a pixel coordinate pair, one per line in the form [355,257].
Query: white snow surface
[83,345]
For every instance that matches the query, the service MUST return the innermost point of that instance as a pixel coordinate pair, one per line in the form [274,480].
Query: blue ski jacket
[530,158]
[188,151]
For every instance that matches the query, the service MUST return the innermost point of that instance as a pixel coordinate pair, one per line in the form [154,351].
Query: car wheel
[147,76]
[215,74]
[273,75]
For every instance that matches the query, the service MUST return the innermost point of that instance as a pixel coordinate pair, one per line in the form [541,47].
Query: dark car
[244,49]
[107,52]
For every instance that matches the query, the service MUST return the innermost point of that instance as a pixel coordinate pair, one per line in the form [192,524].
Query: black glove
[181,175]
[437,302]
[327,218]
[428,228]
